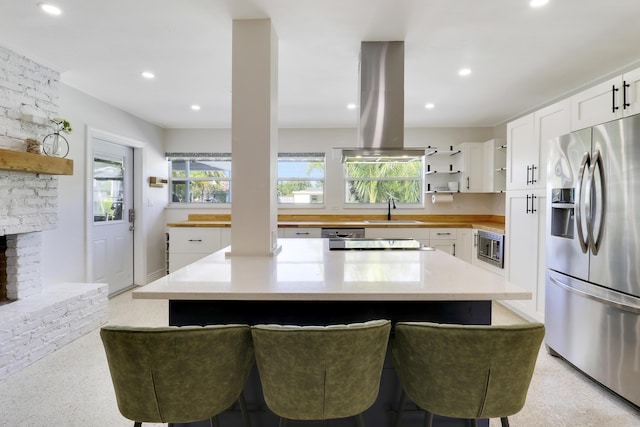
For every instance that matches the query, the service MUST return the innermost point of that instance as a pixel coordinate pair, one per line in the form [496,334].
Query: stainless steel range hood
[381,123]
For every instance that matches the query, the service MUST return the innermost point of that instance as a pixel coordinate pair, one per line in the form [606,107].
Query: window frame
[399,205]
[202,157]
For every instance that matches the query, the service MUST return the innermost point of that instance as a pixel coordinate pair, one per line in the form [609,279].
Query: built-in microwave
[490,248]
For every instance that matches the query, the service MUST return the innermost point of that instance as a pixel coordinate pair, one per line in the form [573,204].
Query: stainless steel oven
[490,248]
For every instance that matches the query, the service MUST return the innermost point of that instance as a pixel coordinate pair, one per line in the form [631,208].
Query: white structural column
[254,215]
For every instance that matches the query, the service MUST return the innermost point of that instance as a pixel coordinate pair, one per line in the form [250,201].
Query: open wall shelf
[20,161]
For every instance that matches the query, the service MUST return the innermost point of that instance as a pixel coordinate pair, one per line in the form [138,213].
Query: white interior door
[113,218]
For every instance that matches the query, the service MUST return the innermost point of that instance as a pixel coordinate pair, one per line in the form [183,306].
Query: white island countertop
[305,270]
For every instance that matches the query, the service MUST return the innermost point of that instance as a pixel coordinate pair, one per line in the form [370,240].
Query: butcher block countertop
[492,223]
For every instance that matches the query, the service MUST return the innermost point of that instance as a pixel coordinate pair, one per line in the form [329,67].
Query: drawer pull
[195,240]
[443,234]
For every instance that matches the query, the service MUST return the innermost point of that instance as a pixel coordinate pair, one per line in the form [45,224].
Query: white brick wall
[26,88]
[24,253]
[44,317]
[33,327]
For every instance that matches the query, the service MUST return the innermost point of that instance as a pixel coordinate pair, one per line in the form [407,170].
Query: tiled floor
[72,387]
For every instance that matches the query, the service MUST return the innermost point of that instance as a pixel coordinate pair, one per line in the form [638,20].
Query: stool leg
[360,420]
[283,422]
[137,424]
[243,411]
[474,423]
[428,419]
[504,421]
[403,398]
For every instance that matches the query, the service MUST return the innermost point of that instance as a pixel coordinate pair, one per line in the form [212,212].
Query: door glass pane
[108,189]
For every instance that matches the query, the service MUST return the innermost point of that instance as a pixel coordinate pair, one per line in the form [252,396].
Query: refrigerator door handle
[618,304]
[594,242]
[584,166]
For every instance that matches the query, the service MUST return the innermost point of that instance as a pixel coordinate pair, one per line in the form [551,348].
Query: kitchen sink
[392,221]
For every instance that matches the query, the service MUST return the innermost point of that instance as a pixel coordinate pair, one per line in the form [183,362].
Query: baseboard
[156,275]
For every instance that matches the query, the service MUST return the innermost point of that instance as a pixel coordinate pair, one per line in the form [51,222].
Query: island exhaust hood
[381,123]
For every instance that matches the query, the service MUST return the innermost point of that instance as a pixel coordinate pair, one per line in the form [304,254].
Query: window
[108,189]
[301,178]
[369,181]
[200,177]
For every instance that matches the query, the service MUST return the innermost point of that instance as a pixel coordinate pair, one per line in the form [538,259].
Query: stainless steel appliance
[342,232]
[490,248]
[592,299]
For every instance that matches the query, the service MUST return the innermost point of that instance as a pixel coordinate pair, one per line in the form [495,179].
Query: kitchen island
[306,283]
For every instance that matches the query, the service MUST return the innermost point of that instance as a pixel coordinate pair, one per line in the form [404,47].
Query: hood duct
[381,123]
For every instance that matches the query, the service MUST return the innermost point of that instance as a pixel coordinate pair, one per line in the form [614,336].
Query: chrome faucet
[390,203]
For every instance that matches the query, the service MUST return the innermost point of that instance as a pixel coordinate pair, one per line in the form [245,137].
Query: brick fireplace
[36,316]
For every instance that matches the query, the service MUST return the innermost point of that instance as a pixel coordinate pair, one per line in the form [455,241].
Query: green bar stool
[178,374]
[320,372]
[465,371]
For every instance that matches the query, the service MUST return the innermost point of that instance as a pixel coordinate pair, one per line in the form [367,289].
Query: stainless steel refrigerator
[592,298]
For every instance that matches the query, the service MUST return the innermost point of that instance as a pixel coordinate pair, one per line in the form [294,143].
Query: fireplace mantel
[19,161]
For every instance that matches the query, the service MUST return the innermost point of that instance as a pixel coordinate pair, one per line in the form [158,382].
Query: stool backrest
[318,373]
[177,374]
[466,371]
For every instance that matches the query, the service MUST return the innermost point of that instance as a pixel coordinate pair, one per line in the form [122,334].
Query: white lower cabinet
[296,232]
[525,249]
[443,239]
[464,244]
[189,244]
[454,241]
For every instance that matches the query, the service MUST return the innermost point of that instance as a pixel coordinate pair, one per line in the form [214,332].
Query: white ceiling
[521,57]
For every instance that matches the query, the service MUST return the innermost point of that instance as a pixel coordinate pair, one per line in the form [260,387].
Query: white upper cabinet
[527,145]
[522,152]
[609,100]
[473,167]
[549,122]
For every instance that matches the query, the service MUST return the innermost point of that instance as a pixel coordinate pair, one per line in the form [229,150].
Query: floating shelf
[20,161]
[442,172]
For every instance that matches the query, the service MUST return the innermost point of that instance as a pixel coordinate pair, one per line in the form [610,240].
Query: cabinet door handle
[528,180]
[527,211]
[468,183]
[625,104]
[614,89]
[533,174]
[533,199]
[454,249]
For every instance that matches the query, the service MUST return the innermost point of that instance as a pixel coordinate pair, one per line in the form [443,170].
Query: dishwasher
[342,232]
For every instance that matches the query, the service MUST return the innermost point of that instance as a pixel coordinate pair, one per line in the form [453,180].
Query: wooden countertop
[306,270]
[484,222]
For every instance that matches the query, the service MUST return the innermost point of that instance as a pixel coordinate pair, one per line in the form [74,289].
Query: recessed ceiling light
[147,74]
[195,107]
[50,9]
[538,3]
[429,106]
[352,106]
[464,72]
